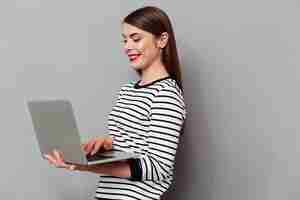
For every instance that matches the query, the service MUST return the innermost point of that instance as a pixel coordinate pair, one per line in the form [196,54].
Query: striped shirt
[147,120]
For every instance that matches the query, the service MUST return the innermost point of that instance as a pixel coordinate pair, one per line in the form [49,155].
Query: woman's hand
[56,159]
[119,169]
[94,145]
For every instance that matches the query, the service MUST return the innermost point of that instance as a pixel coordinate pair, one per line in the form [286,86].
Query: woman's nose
[128,45]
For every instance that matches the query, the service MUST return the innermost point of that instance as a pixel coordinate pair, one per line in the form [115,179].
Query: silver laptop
[55,127]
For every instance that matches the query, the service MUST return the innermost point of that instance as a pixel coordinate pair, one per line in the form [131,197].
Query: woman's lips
[133,57]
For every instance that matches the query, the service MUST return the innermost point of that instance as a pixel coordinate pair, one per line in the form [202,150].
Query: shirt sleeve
[167,117]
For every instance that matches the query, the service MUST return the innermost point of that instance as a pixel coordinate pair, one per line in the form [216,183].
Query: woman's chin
[135,66]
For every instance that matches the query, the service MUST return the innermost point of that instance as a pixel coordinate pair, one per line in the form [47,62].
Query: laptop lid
[55,127]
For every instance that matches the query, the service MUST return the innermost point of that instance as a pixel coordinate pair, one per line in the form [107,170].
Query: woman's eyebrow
[131,35]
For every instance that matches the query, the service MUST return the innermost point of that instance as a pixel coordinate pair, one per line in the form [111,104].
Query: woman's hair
[156,21]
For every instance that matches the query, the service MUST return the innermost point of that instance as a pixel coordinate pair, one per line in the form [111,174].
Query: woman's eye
[134,40]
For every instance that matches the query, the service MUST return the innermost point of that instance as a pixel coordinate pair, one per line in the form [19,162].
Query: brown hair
[156,21]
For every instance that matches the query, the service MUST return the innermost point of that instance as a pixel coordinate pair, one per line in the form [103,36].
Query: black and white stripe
[148,121]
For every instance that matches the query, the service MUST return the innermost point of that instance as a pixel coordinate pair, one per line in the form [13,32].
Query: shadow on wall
[194,167]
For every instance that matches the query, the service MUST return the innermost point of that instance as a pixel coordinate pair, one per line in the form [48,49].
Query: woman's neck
[153,72]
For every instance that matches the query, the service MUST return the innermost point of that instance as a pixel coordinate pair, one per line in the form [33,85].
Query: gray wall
[239,62]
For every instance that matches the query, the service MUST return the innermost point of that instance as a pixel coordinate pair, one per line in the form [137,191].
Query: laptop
[55,128]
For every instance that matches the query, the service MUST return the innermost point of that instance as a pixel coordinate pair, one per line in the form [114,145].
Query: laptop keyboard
[98,156]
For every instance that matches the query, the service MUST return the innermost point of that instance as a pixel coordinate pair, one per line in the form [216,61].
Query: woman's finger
[60,159]
[83,146]
[61,155]
[59,163]
[90,146]
[108,143]
[51,159]
[57,155]
[97,146]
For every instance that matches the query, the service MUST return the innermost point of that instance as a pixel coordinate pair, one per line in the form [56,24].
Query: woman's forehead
[131,31]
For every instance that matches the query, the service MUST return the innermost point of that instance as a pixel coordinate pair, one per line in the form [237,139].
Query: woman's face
[140,46]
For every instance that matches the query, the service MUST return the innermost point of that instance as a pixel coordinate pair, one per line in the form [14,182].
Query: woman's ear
[163,40]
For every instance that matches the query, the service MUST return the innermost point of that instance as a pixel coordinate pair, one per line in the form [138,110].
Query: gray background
[239,62]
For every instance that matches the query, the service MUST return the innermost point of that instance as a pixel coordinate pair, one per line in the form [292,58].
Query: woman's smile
[134,57]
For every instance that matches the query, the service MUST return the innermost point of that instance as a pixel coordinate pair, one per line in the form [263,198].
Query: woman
[148,116]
